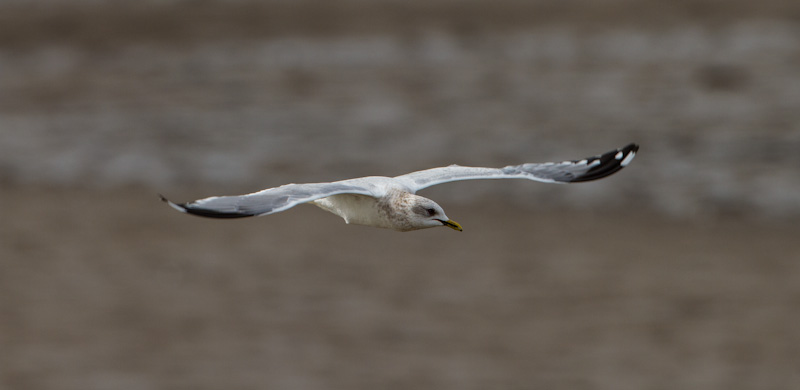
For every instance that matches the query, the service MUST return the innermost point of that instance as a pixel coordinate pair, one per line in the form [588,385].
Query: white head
[417,212]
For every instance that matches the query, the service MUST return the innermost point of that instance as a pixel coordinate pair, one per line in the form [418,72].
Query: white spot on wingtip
[619,155]
[628,159]
[594,163]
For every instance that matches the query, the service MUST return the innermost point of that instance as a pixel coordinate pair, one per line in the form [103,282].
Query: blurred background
[682,271]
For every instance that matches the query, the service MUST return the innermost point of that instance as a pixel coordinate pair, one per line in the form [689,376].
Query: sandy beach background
[682,271]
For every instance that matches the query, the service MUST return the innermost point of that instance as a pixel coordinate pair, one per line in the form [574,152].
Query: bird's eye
[424,211]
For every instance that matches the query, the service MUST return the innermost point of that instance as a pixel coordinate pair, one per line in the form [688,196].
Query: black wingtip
[213,214]
[609,163]
[201,212]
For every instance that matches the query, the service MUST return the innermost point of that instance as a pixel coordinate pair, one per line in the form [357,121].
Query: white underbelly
[353,208]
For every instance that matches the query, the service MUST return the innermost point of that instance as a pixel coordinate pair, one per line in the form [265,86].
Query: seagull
[391,202]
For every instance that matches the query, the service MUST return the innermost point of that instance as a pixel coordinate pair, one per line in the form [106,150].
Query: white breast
[354,208]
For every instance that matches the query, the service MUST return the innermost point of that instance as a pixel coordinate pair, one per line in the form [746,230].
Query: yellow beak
[452,225]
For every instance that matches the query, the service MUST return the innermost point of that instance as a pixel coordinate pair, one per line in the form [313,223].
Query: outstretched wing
[265,202]
[591,168]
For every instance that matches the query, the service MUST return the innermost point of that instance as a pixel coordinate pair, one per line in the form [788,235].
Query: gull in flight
[390,202]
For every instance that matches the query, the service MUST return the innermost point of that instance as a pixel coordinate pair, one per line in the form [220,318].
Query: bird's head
[424,213]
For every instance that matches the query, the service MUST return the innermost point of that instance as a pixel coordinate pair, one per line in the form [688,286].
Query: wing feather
[267,201]
[591,168]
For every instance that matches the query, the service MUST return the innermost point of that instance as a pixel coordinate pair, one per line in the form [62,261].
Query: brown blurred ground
[103,290]
[680,272]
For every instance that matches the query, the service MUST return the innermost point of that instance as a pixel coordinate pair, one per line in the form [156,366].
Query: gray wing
[590,168]
[265,202]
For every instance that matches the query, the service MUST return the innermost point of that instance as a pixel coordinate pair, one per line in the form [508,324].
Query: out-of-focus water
[714,107]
